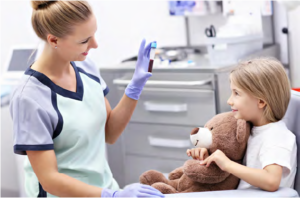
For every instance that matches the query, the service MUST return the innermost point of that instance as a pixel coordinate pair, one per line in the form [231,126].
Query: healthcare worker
[61,116]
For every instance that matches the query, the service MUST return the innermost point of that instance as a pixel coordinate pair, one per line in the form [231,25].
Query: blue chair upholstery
[292,120]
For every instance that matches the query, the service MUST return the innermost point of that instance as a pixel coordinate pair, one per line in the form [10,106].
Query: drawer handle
[161,107]
[169,83]
[173,143]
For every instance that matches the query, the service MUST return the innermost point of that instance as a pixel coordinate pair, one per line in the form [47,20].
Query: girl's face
[76,47]
[245,106]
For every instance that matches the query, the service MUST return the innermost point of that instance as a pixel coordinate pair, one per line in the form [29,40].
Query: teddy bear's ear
[241,131]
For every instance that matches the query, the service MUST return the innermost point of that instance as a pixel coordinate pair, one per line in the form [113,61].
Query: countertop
[201,63]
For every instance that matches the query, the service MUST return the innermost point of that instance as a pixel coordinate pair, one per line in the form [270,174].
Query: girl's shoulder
[280,136]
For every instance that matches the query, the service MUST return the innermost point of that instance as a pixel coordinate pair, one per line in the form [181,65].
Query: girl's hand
[198,153]
[219,158]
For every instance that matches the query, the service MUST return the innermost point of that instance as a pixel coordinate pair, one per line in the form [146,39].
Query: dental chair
[292,120]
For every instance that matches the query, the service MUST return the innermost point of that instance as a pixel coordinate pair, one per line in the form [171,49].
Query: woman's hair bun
[40,4]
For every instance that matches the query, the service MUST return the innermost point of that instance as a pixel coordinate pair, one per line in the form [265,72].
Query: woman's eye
[85,41]
[211,128]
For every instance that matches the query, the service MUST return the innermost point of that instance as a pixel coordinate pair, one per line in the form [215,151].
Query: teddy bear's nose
[194,131]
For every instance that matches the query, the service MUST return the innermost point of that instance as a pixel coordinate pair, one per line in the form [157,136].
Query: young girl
[260,95]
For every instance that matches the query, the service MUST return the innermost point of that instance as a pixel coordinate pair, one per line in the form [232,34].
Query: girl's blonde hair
[265,79]
[58,17]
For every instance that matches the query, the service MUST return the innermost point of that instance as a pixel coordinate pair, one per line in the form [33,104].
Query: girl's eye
[236,93]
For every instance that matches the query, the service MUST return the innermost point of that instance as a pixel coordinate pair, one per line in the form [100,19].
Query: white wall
[294,41]
[123,24]
[15,26]
[121,27]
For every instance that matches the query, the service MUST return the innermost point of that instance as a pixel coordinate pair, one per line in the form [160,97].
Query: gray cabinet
[171,105]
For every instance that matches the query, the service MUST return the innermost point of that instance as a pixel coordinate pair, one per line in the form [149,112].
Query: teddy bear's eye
[211,128]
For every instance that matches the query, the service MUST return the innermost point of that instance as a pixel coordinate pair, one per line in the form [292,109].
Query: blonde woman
[61,117]
[260,95]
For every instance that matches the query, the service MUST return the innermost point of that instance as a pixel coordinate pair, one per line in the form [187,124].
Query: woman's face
[75,47]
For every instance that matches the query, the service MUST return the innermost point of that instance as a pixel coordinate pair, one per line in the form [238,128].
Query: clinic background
[121,27]
[123,24]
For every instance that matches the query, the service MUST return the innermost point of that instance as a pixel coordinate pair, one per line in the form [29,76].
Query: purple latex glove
[141,74]
[133,190]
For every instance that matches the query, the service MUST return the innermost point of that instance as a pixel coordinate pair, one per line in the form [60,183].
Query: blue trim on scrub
[22,148]
[42,192]
[89,75]
[78,95]
[60,122]
[105,91]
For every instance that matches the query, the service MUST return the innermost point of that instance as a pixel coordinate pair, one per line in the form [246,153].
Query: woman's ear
[52,40]
[241,130]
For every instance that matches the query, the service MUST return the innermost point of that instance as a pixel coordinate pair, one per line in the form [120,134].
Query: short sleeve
[89,68]
[32,128]
[104,86]
[277,154]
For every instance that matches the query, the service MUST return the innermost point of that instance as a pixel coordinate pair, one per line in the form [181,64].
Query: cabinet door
[136,165]
[12,171]
[154,140]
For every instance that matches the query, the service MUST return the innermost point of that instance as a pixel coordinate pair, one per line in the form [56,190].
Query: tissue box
[226,51]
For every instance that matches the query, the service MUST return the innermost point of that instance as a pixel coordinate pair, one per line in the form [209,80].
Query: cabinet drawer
[162,141]
[136,165]
[173,80]
[183,101]
[175,106]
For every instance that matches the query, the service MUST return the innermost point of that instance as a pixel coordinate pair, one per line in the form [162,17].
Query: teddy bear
[223,132]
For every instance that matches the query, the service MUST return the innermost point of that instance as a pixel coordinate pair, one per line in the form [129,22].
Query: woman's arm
[118,118]
[44,165]
[267,179]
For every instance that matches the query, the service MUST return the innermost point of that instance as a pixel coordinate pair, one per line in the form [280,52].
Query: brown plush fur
[230,136]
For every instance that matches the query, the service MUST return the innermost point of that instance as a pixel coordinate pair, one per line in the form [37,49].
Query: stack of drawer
[158,134]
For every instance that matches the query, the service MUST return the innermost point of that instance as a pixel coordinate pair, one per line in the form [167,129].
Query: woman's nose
[94,44]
